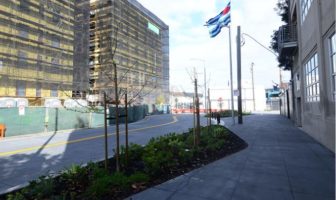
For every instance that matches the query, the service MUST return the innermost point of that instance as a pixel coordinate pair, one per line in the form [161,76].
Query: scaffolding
[140,41]
[37,49]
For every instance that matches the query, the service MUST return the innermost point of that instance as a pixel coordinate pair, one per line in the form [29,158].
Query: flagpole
[232,103]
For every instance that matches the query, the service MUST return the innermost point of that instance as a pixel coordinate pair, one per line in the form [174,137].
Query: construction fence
[30,120]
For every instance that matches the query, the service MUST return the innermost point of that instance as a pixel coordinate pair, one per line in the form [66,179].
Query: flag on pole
[222,19]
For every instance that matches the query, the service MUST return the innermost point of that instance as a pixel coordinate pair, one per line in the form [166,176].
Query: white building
[221,97]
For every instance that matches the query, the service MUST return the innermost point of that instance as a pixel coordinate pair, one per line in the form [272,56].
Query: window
[312,85]
[54,62]
[55,42]
[41,9]
[38,89]
[40,36]
[23,33]
[305,5]
[22,58]
[332,42]
[56,15]
[53,91]
[24,5]
[20,89]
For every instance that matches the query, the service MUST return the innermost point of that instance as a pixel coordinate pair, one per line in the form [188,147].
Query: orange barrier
[2,130]
[185,110]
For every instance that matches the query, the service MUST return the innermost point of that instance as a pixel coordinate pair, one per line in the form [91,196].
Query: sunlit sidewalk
[281,162]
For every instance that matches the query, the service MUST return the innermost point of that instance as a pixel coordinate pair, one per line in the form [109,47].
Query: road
[25,158]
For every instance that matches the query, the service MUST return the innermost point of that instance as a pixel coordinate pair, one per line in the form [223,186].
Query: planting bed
[163,158]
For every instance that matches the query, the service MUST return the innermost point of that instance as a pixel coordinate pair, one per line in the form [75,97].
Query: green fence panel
[40,119]
[97,120]
[63,119]
[31,122]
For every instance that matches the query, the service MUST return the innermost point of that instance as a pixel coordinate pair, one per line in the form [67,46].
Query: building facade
[309,41]
[253,98]
[36,49]
[124,33]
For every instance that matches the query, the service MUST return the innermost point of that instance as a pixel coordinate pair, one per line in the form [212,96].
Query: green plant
[99,188]
[161,156]
[118,179]
[98,172]
[15,196]
[138,177]
[106,185]
[74,177]
[158,162]
[41,188]
[135,151]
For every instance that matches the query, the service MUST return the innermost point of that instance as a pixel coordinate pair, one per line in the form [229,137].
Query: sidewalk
[280,163]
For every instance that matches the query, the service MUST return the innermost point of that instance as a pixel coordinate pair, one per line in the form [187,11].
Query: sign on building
[153,28]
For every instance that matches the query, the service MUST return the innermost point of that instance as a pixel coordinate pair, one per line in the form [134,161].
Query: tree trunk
[197,116]
[126,128]
[105,135]
[116,117]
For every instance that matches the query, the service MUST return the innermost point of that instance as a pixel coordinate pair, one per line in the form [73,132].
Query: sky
[191,47]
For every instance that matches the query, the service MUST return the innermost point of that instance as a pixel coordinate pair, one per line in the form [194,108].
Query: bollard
[2,130]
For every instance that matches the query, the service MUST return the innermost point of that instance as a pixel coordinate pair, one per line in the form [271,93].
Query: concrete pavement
[280,163]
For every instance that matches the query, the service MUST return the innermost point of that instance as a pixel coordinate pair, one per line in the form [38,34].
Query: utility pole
[240,116]
[253,94]
[105,128]
[197,115]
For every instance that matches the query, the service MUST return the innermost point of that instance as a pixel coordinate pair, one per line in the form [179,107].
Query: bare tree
[114,82]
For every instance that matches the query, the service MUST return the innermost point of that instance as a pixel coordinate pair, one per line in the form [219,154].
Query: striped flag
[222,19]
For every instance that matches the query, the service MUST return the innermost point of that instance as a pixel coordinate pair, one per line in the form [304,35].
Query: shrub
[163,155]
[158,162]
[16,196]
[138,177]
[75,178]
[39,189]
[105,185]
[99,188]
[98,172]
[135,153]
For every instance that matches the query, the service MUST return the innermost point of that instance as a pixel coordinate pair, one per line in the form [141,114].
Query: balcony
[287,39]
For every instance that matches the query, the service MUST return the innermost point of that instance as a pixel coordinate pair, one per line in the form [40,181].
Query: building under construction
[124,33]
[37,40]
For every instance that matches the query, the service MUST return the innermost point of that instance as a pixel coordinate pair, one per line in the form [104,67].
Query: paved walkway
[280,163]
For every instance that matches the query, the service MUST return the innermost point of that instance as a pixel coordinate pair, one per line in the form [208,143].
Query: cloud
[190,39]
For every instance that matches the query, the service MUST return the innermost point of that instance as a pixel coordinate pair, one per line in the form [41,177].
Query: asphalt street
[25,158]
